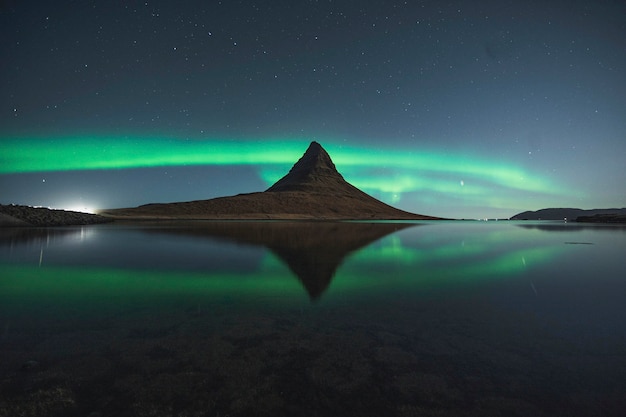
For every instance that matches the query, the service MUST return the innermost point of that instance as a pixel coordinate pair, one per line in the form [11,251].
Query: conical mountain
[313,189]
[314,172]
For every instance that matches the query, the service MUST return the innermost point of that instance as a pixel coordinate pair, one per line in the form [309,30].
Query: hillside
[313,189]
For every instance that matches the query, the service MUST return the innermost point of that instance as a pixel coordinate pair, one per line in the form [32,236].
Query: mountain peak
[314,171]
[313,189]
[315,158]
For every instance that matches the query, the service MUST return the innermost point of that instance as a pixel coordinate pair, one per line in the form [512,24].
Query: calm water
[313,319]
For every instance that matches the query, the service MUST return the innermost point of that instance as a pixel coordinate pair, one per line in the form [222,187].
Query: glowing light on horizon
[80,208]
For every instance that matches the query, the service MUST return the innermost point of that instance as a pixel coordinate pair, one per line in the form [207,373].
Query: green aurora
[386,173]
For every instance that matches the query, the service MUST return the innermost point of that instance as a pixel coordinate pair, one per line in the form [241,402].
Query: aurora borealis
[450,109]
[437,175]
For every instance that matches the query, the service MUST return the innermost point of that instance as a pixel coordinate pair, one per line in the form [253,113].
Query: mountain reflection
[211,258]
[313,251]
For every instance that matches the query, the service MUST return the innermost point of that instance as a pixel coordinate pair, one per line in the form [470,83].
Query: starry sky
[465,109]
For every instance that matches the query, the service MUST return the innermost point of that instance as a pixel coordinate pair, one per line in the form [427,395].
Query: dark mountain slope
[313,189]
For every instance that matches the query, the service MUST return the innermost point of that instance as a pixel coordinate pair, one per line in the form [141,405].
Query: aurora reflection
[499,253]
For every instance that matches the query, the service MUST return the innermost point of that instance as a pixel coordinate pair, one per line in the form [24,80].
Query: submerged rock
[30,365]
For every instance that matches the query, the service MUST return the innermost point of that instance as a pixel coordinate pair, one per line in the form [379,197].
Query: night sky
[464,109]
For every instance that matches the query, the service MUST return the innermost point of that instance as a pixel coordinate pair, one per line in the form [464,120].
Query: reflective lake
[313,319]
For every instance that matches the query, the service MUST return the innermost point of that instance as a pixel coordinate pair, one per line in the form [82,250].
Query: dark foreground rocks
[13,215]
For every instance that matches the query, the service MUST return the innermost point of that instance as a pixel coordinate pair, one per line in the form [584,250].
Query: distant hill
[14,215]
[313,189]
[566,213]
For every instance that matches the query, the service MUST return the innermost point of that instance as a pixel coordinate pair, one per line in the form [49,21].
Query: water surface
[313,318]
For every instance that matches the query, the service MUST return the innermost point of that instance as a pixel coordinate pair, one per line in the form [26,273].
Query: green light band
[28,154]
[387,173]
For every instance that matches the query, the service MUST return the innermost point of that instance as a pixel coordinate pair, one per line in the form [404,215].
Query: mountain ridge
[312,189]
